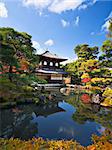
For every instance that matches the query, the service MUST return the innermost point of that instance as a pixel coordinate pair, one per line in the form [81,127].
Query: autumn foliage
[99,143]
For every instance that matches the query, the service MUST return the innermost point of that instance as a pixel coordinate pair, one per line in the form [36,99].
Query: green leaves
[14,47]
[106,57]
[85,52]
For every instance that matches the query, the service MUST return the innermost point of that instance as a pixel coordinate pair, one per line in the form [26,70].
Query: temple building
[49,68]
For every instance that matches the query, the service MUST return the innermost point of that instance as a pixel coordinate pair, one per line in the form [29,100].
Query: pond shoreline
[18,101]
[36,97]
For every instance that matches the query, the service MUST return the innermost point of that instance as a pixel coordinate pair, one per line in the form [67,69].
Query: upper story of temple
[49,61]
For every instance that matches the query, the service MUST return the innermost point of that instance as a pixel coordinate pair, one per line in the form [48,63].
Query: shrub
[107,92]
[101,81]
[85,75]
[108,97]
[8,90]
[6,85]
[27,88]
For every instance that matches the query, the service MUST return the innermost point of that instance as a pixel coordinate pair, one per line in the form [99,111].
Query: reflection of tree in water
[17,123]
[22,121]
[91,112]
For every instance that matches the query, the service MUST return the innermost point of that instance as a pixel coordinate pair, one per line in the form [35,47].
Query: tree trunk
[10,73]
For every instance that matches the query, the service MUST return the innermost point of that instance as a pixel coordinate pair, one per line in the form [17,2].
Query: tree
[85,52]
[106,57]
[16,46]
[106,48]
[72,68]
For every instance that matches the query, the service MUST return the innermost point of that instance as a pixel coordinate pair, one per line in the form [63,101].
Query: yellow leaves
[24,64]
[100,146]
[24,61]
[39,143]
[96,88]
[61,145]
[108,100]
[108,92]
[102,80]
[27,88]
[89,65]
[85,75]
[101,142]
[94,80]
[92,62]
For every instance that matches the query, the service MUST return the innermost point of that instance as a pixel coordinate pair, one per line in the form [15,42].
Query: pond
[66,118]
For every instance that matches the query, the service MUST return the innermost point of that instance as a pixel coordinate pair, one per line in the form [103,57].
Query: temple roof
[51,55]
[48,110]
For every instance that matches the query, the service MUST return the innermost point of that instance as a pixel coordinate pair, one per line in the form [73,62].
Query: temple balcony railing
[50,68]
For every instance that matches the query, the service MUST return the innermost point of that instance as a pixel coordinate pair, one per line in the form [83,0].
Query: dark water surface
[68,118]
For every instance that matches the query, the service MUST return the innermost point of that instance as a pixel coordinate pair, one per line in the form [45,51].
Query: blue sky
[58,25]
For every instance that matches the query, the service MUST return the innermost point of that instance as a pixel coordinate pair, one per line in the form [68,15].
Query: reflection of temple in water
[48,109]
[22,124]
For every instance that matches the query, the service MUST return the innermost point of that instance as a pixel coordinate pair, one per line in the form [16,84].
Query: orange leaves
[85,98]
[85,80]
[24,64]
[92,147]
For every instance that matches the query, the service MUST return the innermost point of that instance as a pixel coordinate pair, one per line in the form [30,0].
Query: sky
[58,25]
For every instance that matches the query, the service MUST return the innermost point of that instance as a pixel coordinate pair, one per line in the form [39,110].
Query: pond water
[66,118]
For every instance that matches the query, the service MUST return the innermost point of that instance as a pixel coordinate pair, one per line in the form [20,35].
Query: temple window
[45,63]
[51,63]
[56,64]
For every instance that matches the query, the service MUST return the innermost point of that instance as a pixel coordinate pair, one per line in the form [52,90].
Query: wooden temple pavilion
[49,68]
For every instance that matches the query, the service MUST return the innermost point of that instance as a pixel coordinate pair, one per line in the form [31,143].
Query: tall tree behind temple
[85,52]
[86,59]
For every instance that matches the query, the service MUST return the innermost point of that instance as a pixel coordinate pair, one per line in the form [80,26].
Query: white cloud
[94,1]
[86,4]
[105,26]
[56,6]
[59,6]
[39,4]
[83,6]
[77,19]
[65,23]
[92,33]
[3,10]
[40,13]
[38,48]
[49,42]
